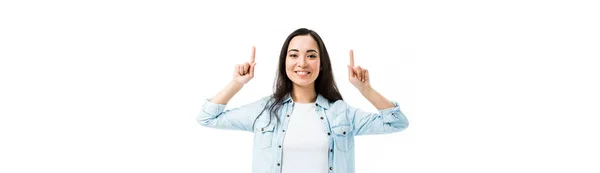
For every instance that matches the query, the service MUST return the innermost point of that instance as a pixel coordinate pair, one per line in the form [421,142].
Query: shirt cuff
[391,114]
[211,108]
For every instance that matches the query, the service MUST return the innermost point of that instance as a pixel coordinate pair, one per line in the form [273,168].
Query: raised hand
[244,72]
[359,77]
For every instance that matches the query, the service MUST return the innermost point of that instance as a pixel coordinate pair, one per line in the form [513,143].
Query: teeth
[302,72]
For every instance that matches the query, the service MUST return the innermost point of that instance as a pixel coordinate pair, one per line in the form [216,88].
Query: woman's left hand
[359,77]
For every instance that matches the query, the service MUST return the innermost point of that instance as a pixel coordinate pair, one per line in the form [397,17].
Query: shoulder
[338,106]
[262,101]
[266,98]
[338,103]
[258,103]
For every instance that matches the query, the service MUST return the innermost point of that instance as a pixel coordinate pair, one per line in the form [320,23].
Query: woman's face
[302,62]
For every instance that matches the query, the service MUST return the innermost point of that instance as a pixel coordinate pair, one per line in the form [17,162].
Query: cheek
[289,66]
[317,65]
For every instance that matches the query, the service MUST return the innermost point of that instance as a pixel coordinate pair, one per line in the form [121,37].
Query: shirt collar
[321,101]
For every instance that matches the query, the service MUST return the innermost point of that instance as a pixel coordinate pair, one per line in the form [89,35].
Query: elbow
[402,123]
[204,119]
[400,126]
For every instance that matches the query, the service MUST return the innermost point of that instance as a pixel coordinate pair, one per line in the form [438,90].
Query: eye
[293,55]
[312,56]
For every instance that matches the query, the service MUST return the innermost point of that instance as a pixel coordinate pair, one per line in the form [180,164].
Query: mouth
[302,73]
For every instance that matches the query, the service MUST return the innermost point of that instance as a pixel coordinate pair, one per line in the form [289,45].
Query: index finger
[351,58]
[253,53]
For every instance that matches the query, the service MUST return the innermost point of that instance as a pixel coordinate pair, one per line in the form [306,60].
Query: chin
[303,83]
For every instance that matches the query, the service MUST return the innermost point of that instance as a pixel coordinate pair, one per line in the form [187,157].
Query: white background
[115,86]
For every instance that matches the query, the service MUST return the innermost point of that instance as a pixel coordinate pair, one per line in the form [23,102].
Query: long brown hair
[324,84]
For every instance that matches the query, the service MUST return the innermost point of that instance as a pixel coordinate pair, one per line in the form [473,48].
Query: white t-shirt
[305,145]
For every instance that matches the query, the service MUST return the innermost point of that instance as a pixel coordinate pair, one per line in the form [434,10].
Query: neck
[304,94]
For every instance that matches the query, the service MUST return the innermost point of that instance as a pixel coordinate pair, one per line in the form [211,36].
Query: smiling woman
[304,126]
[303,63]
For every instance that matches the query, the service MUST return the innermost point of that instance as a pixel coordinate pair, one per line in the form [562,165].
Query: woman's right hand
[244,72]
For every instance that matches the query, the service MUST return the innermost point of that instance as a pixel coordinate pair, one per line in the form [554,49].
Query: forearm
[227,93]
[376,98]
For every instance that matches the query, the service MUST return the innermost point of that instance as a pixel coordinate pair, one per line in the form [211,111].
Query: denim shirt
[340,121]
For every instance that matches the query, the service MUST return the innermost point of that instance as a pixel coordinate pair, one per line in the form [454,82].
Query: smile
[302,73]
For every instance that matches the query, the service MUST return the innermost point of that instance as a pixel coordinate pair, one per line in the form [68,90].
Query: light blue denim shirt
[340,121]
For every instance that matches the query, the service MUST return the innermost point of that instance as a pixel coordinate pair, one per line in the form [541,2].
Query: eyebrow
[309,50]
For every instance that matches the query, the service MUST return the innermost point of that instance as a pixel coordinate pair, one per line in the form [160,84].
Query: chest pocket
[342,137]
[264,136]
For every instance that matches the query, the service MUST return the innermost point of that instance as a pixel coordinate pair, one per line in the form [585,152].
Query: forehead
[303,42]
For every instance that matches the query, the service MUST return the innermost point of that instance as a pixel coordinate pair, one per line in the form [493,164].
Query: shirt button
[321,118]
[328,133]
[331,150]
[262,129]
[344,132]
[278,164]
[288,115]
[331,168]
[283,130]
[280,146]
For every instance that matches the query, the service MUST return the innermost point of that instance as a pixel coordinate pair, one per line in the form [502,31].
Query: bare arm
[376,98]
[227,93]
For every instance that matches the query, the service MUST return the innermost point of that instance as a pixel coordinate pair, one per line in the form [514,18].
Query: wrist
[365,89]
[236,84]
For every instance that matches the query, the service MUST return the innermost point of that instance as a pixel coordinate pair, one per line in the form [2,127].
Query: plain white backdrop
[115,86]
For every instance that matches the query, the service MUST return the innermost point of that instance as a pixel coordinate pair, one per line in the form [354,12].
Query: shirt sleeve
[241,118]
[384,121]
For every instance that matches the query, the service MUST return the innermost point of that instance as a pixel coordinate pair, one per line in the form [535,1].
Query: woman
[305,126]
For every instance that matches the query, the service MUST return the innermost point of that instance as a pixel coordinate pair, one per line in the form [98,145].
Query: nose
[301,62]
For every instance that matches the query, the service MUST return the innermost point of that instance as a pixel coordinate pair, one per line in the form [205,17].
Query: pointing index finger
[253,53]
[351,58]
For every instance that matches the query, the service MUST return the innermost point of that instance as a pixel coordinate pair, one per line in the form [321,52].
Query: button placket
[284,126]
[322,114]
